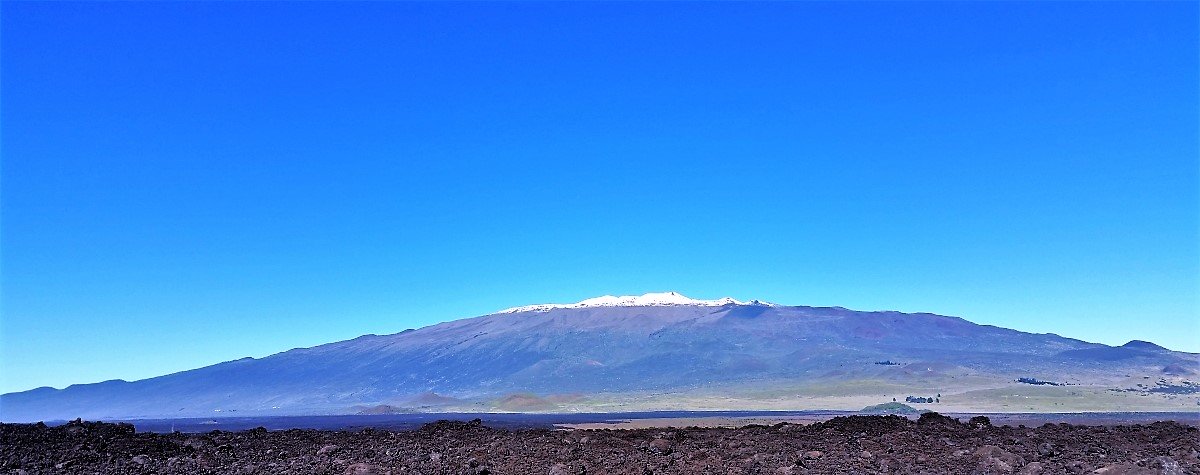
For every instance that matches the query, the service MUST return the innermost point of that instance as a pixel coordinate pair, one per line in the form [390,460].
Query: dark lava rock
[660,446]
[980,421]
[868,424]
[996,459]
[363,469]
[854,444]
[560,469]
[935,418]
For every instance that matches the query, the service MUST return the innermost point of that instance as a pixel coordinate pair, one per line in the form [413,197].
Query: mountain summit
[657,351]
[660,299]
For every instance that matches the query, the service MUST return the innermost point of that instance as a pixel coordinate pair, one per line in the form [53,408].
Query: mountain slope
[663,350]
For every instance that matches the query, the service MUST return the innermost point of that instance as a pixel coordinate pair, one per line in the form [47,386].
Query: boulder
[660,446]
[996,459]
[362,469]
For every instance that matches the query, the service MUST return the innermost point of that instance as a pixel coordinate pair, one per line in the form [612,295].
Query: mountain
[658,351]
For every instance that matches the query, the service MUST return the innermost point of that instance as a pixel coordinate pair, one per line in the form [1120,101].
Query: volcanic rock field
[852,444]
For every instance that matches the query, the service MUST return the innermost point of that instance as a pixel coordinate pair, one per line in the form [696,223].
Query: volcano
[657,351]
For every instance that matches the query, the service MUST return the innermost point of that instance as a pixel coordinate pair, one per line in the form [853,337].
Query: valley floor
[853,444]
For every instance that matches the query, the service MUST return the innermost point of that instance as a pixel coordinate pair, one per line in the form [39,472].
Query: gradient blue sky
[187,183]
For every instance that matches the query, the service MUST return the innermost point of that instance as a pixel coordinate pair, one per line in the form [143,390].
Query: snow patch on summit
[659,299]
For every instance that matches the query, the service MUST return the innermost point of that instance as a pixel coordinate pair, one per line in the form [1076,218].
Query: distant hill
[658,351]
[890,408]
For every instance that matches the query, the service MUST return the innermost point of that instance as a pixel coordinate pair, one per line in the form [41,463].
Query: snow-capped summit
[654,299]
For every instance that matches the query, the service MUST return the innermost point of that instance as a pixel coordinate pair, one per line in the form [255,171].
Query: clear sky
[188,183]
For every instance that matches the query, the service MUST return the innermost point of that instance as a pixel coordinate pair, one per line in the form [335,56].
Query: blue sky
[188,183]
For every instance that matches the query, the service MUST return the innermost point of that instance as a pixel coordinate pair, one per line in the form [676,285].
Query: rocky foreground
[855,444]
